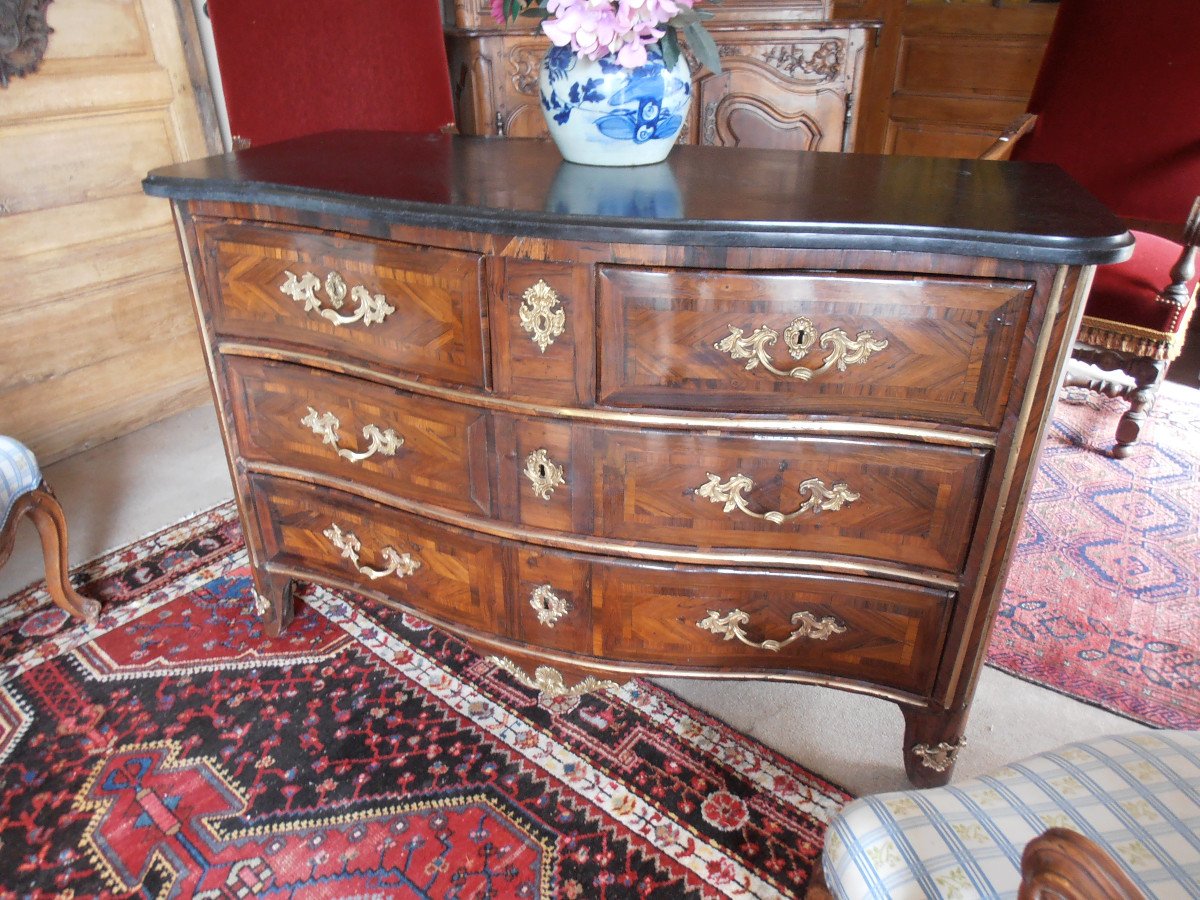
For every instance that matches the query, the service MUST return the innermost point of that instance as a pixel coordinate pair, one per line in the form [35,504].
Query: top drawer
[893,346]
[413,309]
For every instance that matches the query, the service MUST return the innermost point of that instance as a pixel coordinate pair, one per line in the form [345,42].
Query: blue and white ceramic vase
[602,114]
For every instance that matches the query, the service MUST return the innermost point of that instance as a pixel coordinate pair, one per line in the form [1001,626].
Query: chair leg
[1147,375]
[51,524]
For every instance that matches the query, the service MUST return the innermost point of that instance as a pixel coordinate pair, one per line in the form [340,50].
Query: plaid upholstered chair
[1116,104]
[1116,818]
[24,493]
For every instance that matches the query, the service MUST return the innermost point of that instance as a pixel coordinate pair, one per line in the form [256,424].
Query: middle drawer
[894,501]
[415,447]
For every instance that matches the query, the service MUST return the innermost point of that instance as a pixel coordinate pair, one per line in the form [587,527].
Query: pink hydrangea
[599,28]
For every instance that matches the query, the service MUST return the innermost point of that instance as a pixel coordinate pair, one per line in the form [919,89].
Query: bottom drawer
[445,572]
[857,628]
[597,608]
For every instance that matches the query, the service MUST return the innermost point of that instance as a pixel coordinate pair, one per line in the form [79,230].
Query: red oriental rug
[172,750]
[1103,599]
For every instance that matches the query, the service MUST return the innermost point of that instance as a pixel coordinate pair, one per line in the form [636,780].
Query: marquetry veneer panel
[948,354]
[346,429]
[413,309]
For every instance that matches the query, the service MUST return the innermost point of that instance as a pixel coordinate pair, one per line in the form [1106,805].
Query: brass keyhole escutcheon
[543,473]
[542,315]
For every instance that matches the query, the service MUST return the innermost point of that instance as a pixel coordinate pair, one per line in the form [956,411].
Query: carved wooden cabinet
[784,85]
[747,414]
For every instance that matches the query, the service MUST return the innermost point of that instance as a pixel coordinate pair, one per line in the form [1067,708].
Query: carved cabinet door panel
[494,78]
[782,86]
[791,91]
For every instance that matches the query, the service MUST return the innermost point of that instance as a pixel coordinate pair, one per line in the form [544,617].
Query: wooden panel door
[97,335]
[946,77]
[781,88]
[494,77]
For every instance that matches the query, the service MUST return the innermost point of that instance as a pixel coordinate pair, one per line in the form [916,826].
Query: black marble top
[699,196]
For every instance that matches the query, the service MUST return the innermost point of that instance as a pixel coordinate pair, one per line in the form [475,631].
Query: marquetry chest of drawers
[745,413]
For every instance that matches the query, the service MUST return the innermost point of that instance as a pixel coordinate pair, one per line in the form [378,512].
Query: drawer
[552,602]
[893,501]
[750,620]
[885,633]
[443,572]
[543,325]
[416,310]
[894,346]
[887,500]
[418,448]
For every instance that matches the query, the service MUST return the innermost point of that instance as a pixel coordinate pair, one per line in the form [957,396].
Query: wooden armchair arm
[1185,269]
[1003,145]
[1060,864]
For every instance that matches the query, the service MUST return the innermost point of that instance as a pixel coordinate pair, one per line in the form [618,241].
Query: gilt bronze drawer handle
[398,564]
[549,606]
[542,473]
[325,426]
[820,498]
[370,309]
[549,681]
[799,337]
[806,626]
[539,317]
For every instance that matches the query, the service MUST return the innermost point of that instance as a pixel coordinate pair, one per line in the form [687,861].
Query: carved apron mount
[24,36]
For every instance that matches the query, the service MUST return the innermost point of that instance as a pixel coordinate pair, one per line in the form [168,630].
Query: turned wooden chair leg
[1147,375]
[47,515]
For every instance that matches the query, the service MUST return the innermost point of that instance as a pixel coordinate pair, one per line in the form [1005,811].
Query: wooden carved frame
[24,36]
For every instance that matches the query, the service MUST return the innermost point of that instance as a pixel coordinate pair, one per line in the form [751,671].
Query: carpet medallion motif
[172,750]
[1102,599]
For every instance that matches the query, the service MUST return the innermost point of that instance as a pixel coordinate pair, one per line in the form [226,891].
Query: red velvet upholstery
[1118,103]
[294,67]
[1129,292]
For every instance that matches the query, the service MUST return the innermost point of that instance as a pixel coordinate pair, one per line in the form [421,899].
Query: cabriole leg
[47,515]
[932,739]
[273,601]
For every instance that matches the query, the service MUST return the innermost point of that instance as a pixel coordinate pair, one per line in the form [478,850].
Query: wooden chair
[295,67]
[1114,818]
[23,492]
[1115,105]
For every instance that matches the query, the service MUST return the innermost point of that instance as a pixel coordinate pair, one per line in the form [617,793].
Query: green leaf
[704,47]
[536,12]
[670,47]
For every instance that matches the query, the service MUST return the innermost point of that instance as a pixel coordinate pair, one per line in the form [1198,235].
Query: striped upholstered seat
[19,473]
[1137,796]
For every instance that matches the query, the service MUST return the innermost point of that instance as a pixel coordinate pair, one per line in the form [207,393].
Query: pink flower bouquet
[621,29]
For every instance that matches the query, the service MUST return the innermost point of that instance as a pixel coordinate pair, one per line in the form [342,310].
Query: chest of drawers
[744,414]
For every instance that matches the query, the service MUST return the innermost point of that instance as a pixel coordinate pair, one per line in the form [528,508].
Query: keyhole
[543,472]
